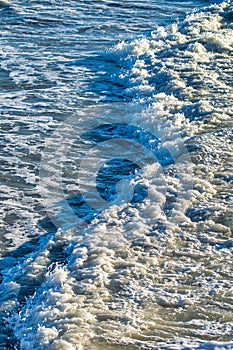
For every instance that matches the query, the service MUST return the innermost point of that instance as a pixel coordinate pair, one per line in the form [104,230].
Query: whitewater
[116,175]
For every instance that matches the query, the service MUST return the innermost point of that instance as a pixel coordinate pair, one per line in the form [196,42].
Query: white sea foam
[149,275]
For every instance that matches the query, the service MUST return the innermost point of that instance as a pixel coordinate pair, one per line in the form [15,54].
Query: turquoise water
[116,175]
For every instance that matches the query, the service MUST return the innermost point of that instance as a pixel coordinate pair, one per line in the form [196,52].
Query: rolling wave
[154,273]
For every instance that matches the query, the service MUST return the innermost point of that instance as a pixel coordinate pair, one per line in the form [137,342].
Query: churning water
[116,175]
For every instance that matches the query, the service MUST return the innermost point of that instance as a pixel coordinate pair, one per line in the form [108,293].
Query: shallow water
[116,176]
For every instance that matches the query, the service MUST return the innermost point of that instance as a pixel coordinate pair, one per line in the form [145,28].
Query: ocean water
[116,175]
